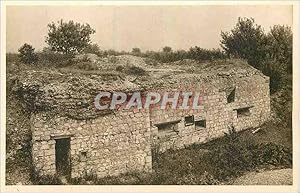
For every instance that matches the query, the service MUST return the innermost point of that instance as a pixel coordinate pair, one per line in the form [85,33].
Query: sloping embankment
[274,177]
[18,136]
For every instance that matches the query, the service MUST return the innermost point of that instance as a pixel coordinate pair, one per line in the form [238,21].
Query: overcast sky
[146,27]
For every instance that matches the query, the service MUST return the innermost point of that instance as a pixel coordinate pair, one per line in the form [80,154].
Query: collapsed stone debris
[71,137]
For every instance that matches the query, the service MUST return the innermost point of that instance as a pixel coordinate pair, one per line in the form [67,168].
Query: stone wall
[113,144]
[250,94]
[121,141]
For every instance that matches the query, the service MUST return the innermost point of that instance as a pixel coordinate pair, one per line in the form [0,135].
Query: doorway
[62,157]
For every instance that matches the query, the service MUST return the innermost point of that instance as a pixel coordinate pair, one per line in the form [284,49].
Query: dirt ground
[274,177]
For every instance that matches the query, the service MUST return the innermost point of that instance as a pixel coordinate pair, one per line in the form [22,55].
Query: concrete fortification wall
[109,145]
[119,141]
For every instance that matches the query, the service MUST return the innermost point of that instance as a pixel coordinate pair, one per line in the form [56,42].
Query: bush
[27,54]
[136,51]
[232,158]
[86,66]
[236,156]
[53,59]
[195,53]
[274,70]
[272,154]
[173,166]
[192,179]
[93,49]
[38,179]
[12,58]
[119,68]
[136,70]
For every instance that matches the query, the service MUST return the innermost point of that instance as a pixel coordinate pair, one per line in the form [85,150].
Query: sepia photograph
[148,94]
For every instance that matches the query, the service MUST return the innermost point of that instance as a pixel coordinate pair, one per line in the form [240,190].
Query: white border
[152,188]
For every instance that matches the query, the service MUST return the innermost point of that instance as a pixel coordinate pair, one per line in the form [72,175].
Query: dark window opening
[200,124]
[243,112]
[62,157]
[167,129]
[231,96]
[170,126]
[189,120]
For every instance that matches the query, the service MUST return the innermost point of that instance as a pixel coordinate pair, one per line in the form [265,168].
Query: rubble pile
[72,93]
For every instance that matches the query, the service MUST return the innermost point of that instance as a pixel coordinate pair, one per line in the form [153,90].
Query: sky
[145,27]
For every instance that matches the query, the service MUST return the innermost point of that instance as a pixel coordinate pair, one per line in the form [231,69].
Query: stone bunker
[70,137]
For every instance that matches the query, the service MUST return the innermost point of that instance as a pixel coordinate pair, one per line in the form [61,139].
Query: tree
[27,54]
[280,46]
[271,53]
[198,53]
[167,49]
[68,37]
[136,51]
[93,49]
[246,40]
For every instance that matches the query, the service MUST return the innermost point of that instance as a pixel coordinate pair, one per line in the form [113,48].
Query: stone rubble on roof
[73,92]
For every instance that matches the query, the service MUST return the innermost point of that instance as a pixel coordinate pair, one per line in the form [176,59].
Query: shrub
[232,158]
[119,68]
[136,70]
[274,70]
[92,49]
[86,66]
[151,62]
[53,59]
[195,53]
[38,179]
[136,51]
[272,154]
[237,156]
[192,179]
[12,58]
[27,54]
[173,166]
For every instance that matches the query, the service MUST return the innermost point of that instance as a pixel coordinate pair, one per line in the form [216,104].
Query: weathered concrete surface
[121,141]
[113,144]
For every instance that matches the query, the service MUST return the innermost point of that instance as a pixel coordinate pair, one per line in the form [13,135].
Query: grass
[186,166]
[277,133]
[174,165]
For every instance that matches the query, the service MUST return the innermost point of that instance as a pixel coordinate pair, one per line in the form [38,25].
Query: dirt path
[274,177]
